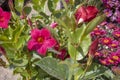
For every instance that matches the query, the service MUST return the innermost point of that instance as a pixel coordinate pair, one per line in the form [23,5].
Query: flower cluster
[112,10]
[108,33]
[108,52]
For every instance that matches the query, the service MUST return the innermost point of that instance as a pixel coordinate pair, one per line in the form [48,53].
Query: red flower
[4,18]
[116,34]
[85,14]
[41,41]
[62,52]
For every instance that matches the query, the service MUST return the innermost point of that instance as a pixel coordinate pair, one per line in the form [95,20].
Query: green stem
[88,65]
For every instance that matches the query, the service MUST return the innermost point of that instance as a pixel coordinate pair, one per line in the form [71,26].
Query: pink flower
[110,61]
[103,61]
[118,20]
[53,25]
[97,33]
[4,18]
[115,57]
[106,41]
[116,34]
[103,23]
[114,44]
[98,54]
[85,14]
[111,26]
[41,41]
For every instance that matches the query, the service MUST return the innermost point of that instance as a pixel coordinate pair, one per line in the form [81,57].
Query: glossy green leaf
[53,68]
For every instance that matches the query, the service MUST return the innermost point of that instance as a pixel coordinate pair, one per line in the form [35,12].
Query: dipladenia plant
[64,44]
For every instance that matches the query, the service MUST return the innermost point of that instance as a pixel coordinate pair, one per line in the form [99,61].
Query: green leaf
[39,5]
[19,5]
[36,1]
[51,5]
[44,15]
[19,62]
[74,53]
[117,77]
[21,41]
[86,41]
[27,10]
[55,1]
[75,36]
[53,68]
[93,74]
[42,74]
[17,32]
[14,15]
[78,72]
[91,25]
[3,38]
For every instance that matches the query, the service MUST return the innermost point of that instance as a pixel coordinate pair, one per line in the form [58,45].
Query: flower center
[103,62]
[111,61]
[97,33]
[97,54]
[1,19]
[106,41]
[40,40]
[115,57]
[113,45]
[96,29]
[117,34]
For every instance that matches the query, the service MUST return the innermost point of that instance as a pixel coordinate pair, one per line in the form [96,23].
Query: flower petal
[92,12]
[81,14]
[32,45]
[4,24]
[50,43]
[35,33]
[45,32]
[7,15]
[42,50]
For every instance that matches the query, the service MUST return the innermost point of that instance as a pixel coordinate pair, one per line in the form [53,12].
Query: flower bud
[93,47]
[53,25]
[85,14]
